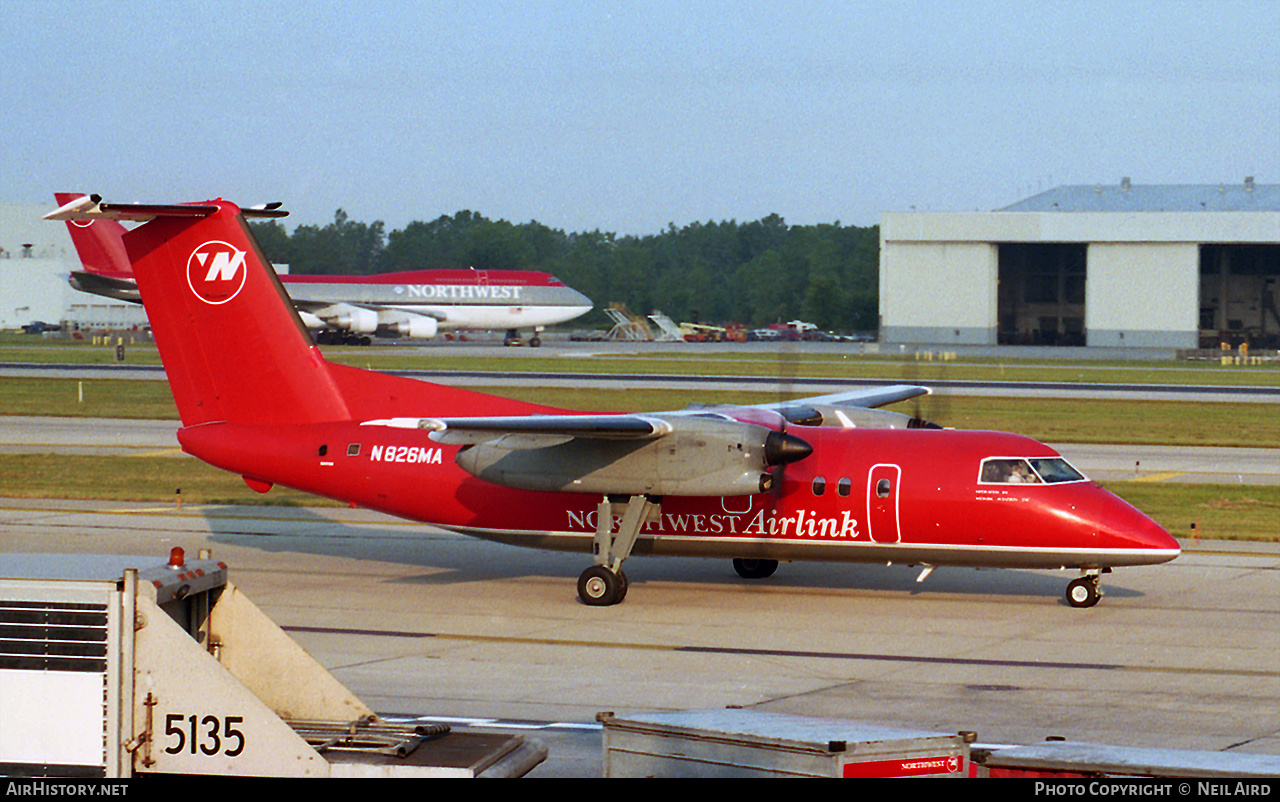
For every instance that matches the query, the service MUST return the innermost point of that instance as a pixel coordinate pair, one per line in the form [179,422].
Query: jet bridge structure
[109,669]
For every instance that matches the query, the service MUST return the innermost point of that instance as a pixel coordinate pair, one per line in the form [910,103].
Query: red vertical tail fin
[99,243]
[233,346]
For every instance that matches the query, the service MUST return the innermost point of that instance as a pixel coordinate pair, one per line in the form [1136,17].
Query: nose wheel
[1084,592]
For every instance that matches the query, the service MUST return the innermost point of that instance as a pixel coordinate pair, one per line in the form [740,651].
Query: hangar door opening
[1238,286]
[1041,293]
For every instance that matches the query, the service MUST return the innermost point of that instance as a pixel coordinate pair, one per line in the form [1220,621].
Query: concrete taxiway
[420,622]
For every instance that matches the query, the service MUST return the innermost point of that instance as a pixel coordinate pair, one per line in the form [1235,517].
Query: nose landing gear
[1084,591]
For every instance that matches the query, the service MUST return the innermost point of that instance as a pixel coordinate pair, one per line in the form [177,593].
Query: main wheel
[1083,592]
[600,587]
[754,569]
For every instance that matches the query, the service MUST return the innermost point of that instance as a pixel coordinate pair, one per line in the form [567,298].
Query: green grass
[140,478]
[1050,420]
[1217,512]
[782,361]
[1045,419]
[88,351]
[87,398]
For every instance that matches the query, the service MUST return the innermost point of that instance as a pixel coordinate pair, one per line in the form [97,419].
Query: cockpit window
[1054,470]
[1035,470]
[1007,471]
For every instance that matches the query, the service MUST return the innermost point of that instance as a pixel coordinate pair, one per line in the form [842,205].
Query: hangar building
[36,257]
[1179,266]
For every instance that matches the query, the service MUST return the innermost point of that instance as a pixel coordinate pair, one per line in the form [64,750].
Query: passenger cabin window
[883,487]
[1034,470]
[844,486]
[819,485]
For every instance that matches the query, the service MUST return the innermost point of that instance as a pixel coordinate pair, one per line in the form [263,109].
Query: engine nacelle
[414,327]
[700,457]
[349,318]
[852,417]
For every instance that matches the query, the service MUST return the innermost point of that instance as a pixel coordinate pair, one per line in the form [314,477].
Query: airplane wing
[863,398]
[533,431]
[434,315]
[700,450]
[713,450]
[673,453]
[536,431]
[106,286]
[853,409]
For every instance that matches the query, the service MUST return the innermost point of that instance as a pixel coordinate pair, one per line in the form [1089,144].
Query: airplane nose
[1154,536]
[1125,526]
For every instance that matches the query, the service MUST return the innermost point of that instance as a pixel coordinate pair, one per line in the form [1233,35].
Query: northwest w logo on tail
[215,272]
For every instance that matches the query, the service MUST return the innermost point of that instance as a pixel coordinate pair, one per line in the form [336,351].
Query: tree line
[754,273]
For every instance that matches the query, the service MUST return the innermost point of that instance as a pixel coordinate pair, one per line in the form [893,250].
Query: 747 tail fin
[99,243]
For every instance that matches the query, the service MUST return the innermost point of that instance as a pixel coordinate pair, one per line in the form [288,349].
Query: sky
[627,117]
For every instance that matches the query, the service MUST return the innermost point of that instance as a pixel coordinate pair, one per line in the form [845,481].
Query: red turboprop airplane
[827,478]
[416,304]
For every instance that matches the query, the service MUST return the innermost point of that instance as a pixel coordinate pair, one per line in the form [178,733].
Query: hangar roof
[1127,197]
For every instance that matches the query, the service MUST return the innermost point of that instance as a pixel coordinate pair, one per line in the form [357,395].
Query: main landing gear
[339,337]
[513,338]
[604,584]
[1084,592]
[754,569]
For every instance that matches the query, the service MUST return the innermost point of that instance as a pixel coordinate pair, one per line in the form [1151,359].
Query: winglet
[100,244]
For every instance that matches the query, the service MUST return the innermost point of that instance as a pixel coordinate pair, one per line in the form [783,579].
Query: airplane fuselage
[412,303]
[831,477]
[893,496]
[455,299]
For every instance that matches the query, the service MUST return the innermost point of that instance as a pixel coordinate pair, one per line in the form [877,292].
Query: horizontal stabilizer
[106,286]
[92,207]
